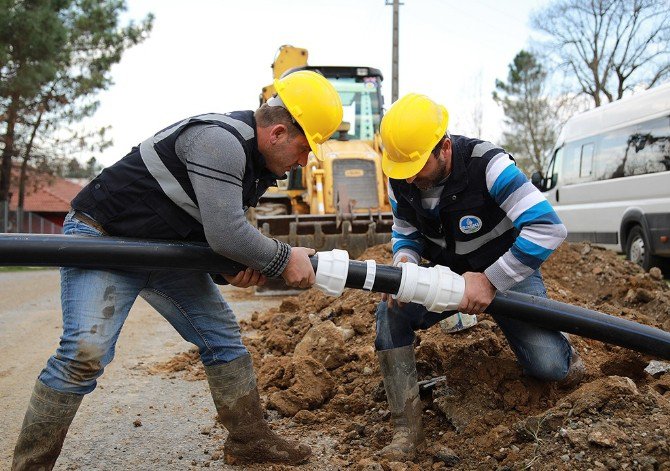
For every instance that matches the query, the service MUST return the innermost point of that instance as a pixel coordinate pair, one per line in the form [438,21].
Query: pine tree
[55,56]
[530,119]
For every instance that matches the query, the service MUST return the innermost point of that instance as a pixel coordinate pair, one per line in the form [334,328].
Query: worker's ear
[446,146]
[277,132]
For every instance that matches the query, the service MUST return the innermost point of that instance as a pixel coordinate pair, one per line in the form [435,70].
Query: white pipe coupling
[437,288]
[332,271]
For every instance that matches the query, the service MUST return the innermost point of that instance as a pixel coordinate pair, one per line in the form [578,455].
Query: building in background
[47,202]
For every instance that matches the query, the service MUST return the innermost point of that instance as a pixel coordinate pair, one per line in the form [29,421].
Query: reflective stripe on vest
[160,172]
[466,247]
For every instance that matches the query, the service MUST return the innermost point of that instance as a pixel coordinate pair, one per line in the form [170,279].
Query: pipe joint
[332,271]
[437,288]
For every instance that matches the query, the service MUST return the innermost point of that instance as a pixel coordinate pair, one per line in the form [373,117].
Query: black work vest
[148,193]
[472,231]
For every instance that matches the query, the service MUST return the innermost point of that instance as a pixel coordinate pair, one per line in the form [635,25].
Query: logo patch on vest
[469,224]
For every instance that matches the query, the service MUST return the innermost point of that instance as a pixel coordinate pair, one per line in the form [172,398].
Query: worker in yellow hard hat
[462,203]
[192,181]
[318,114]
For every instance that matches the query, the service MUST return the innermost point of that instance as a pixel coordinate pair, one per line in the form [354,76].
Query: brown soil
[316,366]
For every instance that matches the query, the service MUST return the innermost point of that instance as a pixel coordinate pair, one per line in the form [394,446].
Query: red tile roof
[45,193]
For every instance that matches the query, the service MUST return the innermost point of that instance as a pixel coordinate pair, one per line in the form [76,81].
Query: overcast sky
[215,55]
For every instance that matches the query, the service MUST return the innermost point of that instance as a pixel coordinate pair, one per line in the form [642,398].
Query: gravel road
[133,420]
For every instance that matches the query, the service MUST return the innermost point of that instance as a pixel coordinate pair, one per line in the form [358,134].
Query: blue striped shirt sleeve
[404,236]
[540,229]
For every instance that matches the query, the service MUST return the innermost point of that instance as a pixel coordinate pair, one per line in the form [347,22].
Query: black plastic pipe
[111,252]
[541,312]
[555,315]
[387,278]
[118,253]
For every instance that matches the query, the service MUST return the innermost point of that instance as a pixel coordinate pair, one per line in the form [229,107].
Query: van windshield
[551,178]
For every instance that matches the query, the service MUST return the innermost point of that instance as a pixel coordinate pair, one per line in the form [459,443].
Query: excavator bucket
[353,233]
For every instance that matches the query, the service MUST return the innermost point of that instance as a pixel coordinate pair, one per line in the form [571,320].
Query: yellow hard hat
[410,130]
[313,102]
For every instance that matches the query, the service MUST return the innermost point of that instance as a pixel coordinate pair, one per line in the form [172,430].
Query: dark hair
[267,116]
[438,146]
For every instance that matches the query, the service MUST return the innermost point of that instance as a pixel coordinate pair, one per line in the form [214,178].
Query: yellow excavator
[340,199]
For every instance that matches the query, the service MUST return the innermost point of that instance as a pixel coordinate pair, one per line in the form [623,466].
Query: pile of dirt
[317,367]
[186,363]
[599,279]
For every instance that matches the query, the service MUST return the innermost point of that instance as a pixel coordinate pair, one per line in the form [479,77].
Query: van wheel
[638,249]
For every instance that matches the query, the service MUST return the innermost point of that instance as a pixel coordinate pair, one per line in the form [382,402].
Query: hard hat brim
[403,170]
[312,144]
[315,148]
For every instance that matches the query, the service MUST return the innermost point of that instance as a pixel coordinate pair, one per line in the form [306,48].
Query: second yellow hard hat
[410,130]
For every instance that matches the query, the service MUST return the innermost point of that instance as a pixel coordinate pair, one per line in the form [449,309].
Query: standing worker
[192,181]
[461,203]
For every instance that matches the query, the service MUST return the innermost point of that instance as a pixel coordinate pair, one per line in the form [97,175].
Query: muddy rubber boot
[45,425]
[576,372]
[250,440]
[398,368]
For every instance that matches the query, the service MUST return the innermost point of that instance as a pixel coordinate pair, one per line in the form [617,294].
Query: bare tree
[608,46]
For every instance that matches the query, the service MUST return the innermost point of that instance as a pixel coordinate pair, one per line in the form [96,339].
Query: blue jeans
[544,354]
[96,303]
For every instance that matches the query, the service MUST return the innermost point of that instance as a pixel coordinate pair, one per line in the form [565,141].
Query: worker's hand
[479,293]
[299,272]
[390,301]
[246,278]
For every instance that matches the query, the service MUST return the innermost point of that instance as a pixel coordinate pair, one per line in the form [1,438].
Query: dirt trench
[318,375]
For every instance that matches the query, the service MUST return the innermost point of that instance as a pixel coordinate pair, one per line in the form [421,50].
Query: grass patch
[14,269]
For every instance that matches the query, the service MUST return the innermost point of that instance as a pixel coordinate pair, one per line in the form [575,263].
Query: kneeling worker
[462,203]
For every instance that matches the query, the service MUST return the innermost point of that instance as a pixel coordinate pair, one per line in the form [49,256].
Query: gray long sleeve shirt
[210,151]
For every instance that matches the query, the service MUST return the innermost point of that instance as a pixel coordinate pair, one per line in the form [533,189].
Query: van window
[634,150]
[586,160]
[648,150]
[612,154]
[571,163]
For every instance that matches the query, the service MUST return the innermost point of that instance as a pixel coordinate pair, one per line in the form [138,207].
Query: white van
[609,177]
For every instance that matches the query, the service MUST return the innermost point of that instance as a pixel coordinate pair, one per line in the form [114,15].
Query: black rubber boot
[45,425]
[398,368]
[250,440]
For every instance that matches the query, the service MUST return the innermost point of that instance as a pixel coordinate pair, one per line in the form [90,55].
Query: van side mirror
[536,180]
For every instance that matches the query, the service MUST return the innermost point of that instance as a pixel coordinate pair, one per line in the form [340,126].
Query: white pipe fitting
[437,288]
[331,274]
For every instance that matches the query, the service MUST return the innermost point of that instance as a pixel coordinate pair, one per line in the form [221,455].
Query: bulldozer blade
[354,233]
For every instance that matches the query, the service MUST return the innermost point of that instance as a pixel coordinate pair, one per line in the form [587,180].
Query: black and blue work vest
[148,193]
[470,231]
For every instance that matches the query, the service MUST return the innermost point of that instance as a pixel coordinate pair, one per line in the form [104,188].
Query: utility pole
[394,77]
